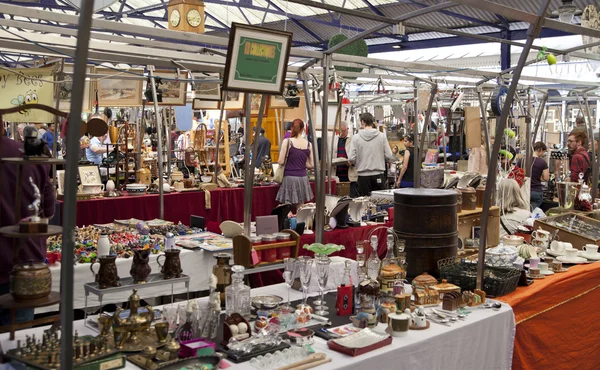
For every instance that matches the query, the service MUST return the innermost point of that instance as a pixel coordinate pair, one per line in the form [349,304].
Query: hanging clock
[498,99]
[175,18]
[194,18]
[186,15]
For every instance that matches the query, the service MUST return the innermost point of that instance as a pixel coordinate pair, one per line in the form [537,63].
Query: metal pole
[335,126]
[263,102]
[320,198]
[528,140]
[57,120]
[159,148]
[594,159]
[278,126]
[484,121]
[311,129]
[167,123]
[218,137]
[538,118]
[248,170]
[70,200]
[416,169]
[425,132]
[141,131]
[532,32]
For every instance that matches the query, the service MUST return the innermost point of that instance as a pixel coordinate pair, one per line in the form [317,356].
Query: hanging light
[566,11]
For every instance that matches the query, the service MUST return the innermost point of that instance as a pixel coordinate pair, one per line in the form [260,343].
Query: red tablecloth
[226,204]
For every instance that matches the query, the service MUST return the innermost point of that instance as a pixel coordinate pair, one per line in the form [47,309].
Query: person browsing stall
[369,151]
[345,172]
[297,156]
[580,161]
[513,207]
[539,173]
[407,173]
[96,149]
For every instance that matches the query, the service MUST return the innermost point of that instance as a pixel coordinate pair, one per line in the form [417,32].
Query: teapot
[171,267]
[140,268]
[107,273]
[144,176]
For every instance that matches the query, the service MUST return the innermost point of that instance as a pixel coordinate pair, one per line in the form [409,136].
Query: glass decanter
[390,270]
[584,199]
[237,295]
[373,263]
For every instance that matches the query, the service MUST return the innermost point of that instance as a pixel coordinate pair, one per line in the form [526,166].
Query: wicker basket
[342,189]
[497,281]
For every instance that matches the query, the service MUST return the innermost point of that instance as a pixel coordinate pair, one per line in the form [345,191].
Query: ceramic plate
[536,277]
[564,269]
[553,253]
[588,257]
[362,339]
[548,272]
[574,261]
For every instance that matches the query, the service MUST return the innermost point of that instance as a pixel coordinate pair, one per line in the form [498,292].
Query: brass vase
[113,134]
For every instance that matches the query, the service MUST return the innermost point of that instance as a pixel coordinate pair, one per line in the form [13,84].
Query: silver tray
[362,339]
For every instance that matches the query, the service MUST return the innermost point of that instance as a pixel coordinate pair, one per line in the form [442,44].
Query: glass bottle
[222,270]
[237,295]
[373,263]
[584,199]
[390,270]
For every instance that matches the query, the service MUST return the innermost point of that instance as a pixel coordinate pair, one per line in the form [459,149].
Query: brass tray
[147,339]
[210,361]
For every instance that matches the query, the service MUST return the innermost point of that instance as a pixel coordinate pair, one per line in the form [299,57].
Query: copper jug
[107,273]
[171,268]
[140,268]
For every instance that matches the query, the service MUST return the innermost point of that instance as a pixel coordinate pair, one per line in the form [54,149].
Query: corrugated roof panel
[298,9]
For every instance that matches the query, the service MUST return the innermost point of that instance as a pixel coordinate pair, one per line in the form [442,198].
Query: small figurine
[34,207]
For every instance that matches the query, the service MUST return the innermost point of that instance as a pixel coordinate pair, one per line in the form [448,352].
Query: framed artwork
[60,181]
[476,232]
[89,175]
[318,96]
[234,100]
[207,90]
[257,60]
[66,88]
[116,92]
[255,105]
[205,104]
[173,92]
[278,101]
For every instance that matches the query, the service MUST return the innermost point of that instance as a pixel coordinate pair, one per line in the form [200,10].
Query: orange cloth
[557,321]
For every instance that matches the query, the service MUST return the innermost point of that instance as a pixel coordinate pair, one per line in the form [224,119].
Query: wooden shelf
[275,245]
[32,160]
[12,231]
[242,249]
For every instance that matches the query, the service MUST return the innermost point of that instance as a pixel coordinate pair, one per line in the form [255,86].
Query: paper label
[112,364]
[254,256]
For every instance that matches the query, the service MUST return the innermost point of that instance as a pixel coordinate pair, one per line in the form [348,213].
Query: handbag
[278,178]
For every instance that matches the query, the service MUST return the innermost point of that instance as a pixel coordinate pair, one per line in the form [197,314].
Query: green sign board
[258,60]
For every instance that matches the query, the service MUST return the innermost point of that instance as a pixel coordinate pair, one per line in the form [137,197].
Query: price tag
[254,256]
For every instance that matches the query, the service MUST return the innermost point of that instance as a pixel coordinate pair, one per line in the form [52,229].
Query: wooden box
[242,249]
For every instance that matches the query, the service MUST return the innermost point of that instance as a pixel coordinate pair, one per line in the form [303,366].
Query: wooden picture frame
[65,91]
[234,100]
[89,175]
[116,92]
[278,101]
[173,92]
[207,90]
[255,105]
[205,104]
[257,60]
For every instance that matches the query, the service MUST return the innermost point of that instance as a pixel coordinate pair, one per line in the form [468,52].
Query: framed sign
[117,92]
[255,105]
[234,100]
[207,90]
[27,86]
[257,59]
[67,86]
[205,104]
[173,91]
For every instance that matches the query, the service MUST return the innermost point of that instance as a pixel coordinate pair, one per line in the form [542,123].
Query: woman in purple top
[295,188]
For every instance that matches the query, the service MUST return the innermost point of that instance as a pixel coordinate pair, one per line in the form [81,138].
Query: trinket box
[446,287]
[235,325]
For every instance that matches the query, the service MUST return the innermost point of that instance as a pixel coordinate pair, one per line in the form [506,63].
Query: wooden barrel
[424,251]
[427,220]
[425,211]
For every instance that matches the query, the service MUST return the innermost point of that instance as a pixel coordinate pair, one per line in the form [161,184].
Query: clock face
[175,18]
[194,18]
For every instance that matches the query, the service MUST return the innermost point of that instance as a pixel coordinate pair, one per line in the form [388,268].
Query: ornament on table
[142,228]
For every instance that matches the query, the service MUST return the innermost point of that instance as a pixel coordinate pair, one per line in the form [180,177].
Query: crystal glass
[360,255]
[237,295]
[170,316]
[288,274]
[322,264]
[305,269]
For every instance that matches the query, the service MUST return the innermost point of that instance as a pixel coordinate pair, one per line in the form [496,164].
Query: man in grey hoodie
[369,151]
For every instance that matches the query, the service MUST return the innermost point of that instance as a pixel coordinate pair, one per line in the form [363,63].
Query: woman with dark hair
[405,178]
[297,156]
[539,173]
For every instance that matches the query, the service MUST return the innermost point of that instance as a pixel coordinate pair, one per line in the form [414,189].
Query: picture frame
[173,92]
[64,94]
[234,100]
[60,181]
[116,92]
[89,175]
[204,104]
[277,101]
[207,90]
[476,232]
[255,105]
[257,60]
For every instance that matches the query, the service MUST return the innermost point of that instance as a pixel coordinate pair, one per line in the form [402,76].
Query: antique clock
[186,15]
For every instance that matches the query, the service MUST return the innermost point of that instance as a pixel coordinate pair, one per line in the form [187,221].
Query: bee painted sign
[27,86]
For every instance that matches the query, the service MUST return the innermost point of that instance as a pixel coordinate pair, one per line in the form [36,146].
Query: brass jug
[143,176]
[107,273]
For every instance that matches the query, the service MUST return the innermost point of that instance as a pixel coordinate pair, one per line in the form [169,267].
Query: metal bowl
[266,302]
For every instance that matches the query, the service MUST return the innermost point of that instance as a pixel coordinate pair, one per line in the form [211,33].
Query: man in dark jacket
[32,249]
[264,148]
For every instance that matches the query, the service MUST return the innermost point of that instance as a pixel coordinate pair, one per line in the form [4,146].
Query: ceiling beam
[463,17]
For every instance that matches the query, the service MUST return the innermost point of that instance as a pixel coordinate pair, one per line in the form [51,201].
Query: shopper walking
[345,172]
[369,151]
[94,152]
[297,156]
[406,177]
[580,161]
[33,249]
[539,173]
[48,137]
[264,148]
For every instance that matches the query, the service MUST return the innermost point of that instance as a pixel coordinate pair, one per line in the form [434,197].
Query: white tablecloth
[484,341]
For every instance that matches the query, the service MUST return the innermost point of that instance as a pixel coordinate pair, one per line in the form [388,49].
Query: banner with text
[27,86]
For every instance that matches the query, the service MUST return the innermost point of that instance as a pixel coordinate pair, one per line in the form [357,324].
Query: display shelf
[242,250]
[12,231]
[127,284]
[8,302]
[32,160]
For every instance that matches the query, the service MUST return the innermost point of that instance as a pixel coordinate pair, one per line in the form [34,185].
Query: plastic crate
[497,281]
